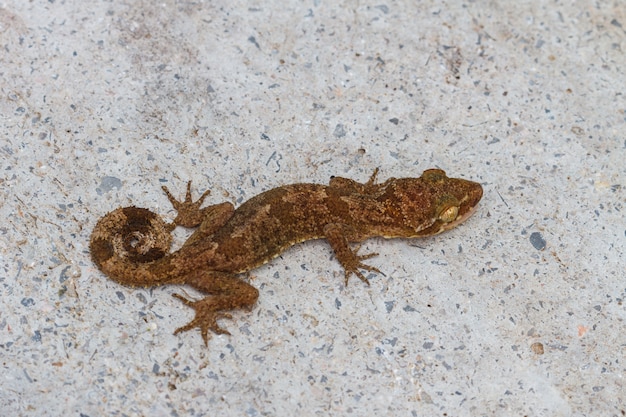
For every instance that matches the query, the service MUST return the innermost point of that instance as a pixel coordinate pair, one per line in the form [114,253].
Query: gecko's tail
[125,243]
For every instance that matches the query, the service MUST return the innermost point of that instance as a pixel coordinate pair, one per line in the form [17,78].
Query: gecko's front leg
[348,257]
[347,186]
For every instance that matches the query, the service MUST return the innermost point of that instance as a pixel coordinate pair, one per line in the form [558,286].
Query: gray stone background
[102,102]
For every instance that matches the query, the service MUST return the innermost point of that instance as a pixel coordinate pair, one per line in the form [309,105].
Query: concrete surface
[519,312]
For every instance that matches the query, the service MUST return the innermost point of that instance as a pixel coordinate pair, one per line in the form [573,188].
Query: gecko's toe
[366,256]
[358,274]
[209,322]
[186,301]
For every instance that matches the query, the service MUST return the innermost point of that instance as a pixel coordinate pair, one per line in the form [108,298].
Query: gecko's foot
[356,264]
[189,212]
[206,318]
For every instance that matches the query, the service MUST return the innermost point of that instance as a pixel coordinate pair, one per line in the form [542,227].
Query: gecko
[131,245]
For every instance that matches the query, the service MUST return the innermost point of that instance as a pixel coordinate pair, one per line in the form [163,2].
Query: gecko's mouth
[440,226]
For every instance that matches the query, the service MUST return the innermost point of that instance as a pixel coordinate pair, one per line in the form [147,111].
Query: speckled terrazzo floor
[520,311]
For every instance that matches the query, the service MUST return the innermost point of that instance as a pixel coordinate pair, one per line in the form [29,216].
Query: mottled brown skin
[131,245]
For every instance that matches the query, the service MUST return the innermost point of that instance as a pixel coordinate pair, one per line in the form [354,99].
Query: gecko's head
[435,203]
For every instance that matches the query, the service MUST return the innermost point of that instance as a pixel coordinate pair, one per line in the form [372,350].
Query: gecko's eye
[448,208]
[449,214]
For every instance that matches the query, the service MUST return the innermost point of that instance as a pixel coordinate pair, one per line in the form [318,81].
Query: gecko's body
[131,245]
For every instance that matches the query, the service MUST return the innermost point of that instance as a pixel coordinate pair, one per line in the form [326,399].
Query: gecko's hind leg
[189,213]
[207,220]
[226,292]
